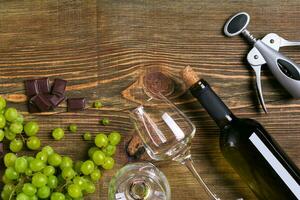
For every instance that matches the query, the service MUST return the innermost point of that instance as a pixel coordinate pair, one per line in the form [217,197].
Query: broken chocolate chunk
[55,100]
[42,102]
[76,104]
[32,108]
[43,85]
[59,87]
[31,88]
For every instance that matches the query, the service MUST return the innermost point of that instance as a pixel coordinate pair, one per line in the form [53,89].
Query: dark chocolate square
[42,102]
[76,104]
[31,88]
[59,87]
[43,85]
[32,108]
[55,100]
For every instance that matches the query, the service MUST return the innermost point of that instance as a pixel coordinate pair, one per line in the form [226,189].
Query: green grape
[114,138]
[87,167]
[5,196]
[68,173]
[6,180]
[29,189]
[101,140]
[1,135]
[57,196]
[22,196]
[87,136]
[2,121]
[33,143]
[31,128]
[98,157]
[20,119]
[9,188]
[42,155]
[9,159]
[48,149]
[95,175]
[89,187]
[16,145]
[34,197]
[109,150]
[28,172]
[11,114]
[43,192]
[39,180]
[52,182]
[29,158]
[97,104]
[58,133]
[8,134]
[92,150]
[73,128]
[11,173]
[66,162]
[21,165]
[16,128]
[49,170]
[77,166]
[105,121]
[2,103]
[36,165]
[74,191]
[54,159]
[108,163]
[78,180]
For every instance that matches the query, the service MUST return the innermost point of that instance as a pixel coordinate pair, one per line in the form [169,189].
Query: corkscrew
[266,51]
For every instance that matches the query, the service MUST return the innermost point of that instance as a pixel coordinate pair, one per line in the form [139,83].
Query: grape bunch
[13,128]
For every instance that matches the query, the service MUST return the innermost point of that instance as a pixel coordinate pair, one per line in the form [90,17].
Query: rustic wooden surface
[102,47]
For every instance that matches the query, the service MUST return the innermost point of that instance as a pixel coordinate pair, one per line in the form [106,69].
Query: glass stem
[190,165]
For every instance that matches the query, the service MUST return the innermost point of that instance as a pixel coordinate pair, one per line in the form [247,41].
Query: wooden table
[102,47]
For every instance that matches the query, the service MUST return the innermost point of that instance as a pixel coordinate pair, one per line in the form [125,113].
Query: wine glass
[167,133]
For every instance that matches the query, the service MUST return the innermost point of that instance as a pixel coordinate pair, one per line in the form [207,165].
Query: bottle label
[276,165]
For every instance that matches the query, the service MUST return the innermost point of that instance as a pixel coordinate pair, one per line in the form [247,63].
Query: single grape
[16,128]
[78,180]
[74,191]
[89,187]
[22,196]
[9,159]
[11,114]
[37,165]
[49,170]
[109,150]
[57,196]
[114,138]
[98,157]
[21,164]
[58,133]
[29,158]
[105,121]
[66,162]
[108,163]
[43,192]
[29,189]
[87,167]
[87,136]
[34,197]
[52,182]
[20,119]
[54,159]
[2,103]
[68,173]
[1,135]
[101,140]
[73,128]
[42,155]
[8,134]
[48,149]
[33,143]
[2,121]
[28,172]
[77,166]
[31,128]
[11,173]
[39,180]
[16,145]
[92,150]
[97,104]
[95,175]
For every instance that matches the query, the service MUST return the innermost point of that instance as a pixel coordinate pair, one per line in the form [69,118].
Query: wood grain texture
[102,47]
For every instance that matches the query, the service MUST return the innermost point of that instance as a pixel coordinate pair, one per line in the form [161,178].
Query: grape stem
[18,185]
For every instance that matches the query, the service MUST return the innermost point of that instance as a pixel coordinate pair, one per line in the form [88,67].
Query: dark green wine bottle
[251,151]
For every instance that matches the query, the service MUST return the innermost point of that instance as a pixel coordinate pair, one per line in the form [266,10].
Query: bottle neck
[212,103]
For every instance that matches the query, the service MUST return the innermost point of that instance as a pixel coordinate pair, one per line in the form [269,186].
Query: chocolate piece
[76,104]
[55,100]
[157,83]
[59,87]
[42,102]
[31,88]
[32,108]
[43,85]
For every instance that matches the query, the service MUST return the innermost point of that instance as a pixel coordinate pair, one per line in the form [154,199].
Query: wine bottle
[248,147]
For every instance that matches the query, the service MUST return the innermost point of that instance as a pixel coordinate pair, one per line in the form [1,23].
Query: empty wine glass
[166,133]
